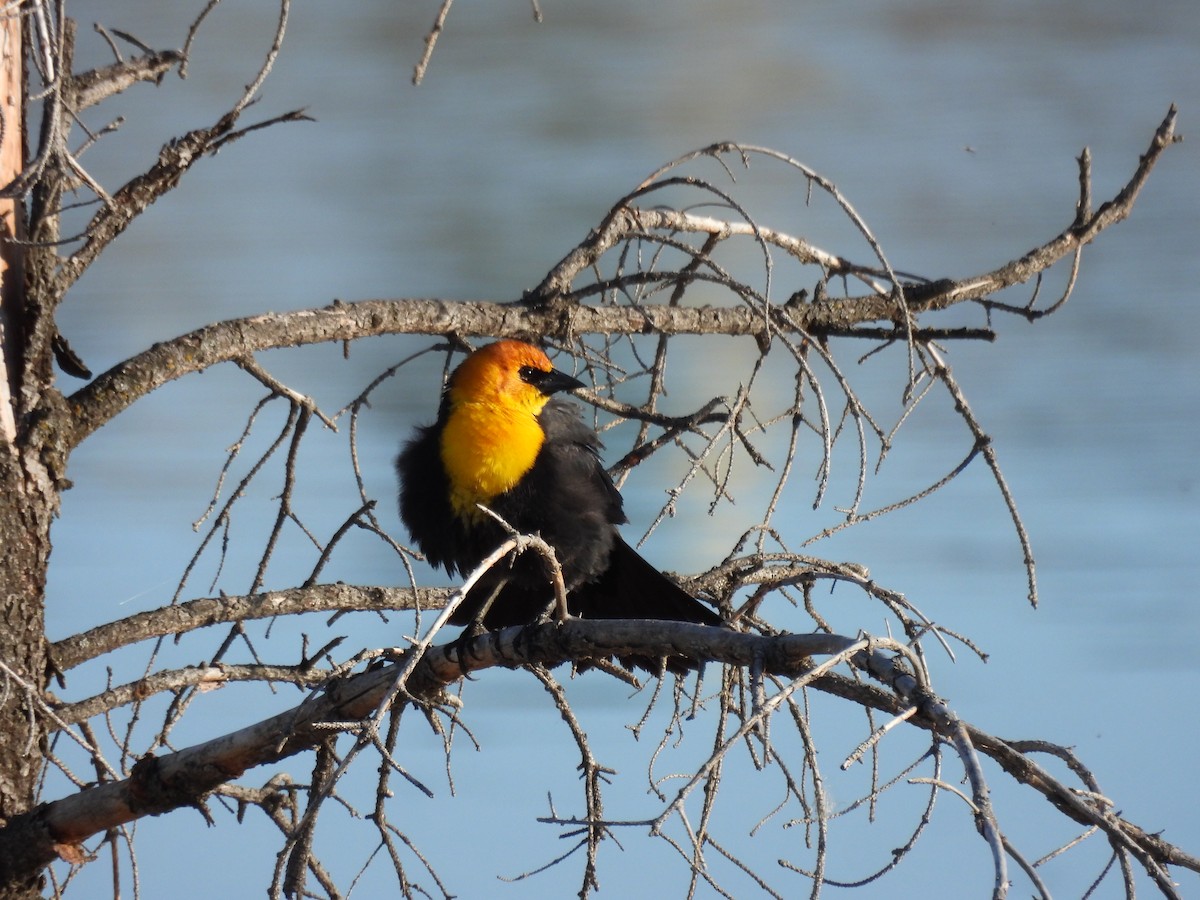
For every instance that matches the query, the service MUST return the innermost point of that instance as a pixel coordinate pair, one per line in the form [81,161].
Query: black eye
[530,375]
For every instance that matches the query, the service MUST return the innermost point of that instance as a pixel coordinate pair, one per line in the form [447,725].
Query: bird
[504,440]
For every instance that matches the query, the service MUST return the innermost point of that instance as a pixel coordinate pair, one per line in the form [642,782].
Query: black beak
[550,382]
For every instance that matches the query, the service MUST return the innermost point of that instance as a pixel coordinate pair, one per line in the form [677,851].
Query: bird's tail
[631,588]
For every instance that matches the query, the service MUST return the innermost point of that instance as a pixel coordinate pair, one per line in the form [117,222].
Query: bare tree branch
[112,392]
[200,613]
[160,784]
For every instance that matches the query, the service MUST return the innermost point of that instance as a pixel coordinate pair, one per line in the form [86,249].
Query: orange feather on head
[491,435]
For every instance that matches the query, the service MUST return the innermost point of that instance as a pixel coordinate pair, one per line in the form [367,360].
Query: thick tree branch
[161,784]
[116,389]
[180,618]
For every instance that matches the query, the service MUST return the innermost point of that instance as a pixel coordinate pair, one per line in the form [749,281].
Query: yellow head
[490,433]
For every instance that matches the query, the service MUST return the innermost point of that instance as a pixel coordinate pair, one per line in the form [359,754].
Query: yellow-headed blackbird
[502,440]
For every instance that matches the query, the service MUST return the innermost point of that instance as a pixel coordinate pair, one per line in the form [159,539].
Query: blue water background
[953,127]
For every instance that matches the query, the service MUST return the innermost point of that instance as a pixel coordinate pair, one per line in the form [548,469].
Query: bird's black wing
[425,506]
[632,588]
[567,497]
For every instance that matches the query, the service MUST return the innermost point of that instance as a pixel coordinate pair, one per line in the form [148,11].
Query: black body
[568,499]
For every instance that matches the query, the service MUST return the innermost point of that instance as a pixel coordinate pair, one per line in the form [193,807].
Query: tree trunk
[28,495]
[25,513]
